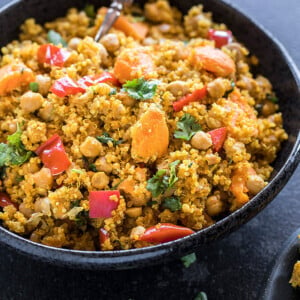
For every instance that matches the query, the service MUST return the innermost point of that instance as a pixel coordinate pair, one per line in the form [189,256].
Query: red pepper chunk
[5,200]
[103,235]
[218,137]
[102,203]
[164,232]
[221,37]
[66,86]
[53,155]
[104,77]
[52,55]
[187,99]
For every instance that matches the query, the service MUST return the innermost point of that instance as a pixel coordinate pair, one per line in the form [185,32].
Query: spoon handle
[113,13]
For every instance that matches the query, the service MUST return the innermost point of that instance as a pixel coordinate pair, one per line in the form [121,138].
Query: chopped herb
[190,164]
[186,127]
[19,178]
[173,178]
[112,92]
[186,42]
[82,218]
[105,139]
[55,38]
[189,259]
[172,203]
[139,18]
[75,203]
[92,167]
[116,185]
[34,87]
[150,203]
[201,296]
[141,89]
[77,171]
[161,182]
[232,86]
[14,152]
[272,98]
[89,10]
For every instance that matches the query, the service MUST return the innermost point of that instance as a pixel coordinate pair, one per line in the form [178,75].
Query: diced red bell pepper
[187,99]
[104,77]
[218,137]
[103,235]
[164,232]
[221,37]
[52,55]
[66,86]
[102,203]
[53,155]
[5,200]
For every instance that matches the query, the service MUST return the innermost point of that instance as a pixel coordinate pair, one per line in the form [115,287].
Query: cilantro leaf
[141,89]
[186,127]
[14,152]
[92,167]
[55,38]
[272,98]
[172,203]
[189,259]
[105,139]
[158,184]
[201,296]
[161,181]
[34,87]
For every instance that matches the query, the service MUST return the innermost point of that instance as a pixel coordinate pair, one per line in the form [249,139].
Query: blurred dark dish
[275,64]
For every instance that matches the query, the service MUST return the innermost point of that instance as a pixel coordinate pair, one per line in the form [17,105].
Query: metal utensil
[112,14]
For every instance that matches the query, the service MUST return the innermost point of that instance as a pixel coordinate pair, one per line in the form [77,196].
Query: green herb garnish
[141,89]
[19,178]
[82,218]
[172,203]
[55,38]
[150,203]
[113,91]
[161,181]
[189,259]
[105,139]
[92,167]
[186,127]
[89,10]
[272,98]
[201,296]
[14,152]
[34,87]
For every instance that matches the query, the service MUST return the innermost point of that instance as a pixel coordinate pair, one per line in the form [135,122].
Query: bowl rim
[125,259]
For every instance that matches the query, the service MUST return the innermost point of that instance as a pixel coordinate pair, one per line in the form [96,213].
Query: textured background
[234,268]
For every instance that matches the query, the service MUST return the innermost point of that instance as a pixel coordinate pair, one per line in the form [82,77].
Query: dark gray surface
[235,268]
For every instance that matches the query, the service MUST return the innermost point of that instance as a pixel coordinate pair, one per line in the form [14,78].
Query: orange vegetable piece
[13,76]
[213,60]
[238,186]
[150,136]
[137,30]
[134,63]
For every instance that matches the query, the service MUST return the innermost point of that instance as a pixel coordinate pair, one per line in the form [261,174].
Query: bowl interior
[275,64]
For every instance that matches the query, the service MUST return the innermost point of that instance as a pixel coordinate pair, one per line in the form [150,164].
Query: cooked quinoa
[181,129]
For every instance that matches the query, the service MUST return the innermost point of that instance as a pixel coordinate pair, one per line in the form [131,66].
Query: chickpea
[46,111]
[255,184]
[43,205]
[126,99]
[44,83]
[214,205]
[43,178]
[268,109]
[201,140]
[102,165]
[26,211]
[31,101]
[178,88]
[133,212]
[100,180]
[111,42]
[73,43]
[218,87]
[91,147]
[102,52]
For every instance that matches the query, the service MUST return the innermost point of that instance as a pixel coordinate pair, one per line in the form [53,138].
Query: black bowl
[275,64]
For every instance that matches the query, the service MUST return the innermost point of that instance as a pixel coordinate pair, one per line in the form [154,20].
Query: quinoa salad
[147,136]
